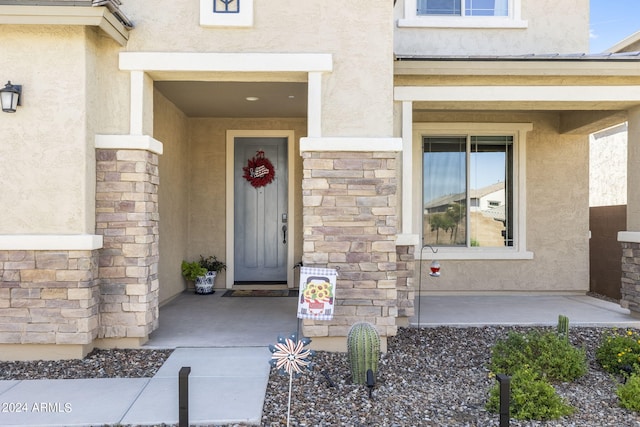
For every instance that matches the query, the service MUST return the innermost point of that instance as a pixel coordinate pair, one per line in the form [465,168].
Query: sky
[612,21]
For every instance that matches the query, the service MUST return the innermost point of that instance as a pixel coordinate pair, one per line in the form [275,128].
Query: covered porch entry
[195,112]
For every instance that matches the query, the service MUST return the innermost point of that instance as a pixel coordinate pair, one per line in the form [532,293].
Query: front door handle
[284,234]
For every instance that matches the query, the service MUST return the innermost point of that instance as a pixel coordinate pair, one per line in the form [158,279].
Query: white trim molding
[629,236]
[65,15]
[50,242]
[129,142]
[351,144]
[226,62]
[231,136]
[407,240]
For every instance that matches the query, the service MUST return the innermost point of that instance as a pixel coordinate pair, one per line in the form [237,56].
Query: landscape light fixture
[10,97]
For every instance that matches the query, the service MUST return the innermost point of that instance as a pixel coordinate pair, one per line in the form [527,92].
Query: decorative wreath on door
[259,170]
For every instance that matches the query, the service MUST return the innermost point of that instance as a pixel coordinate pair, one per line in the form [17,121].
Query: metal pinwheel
[289,356]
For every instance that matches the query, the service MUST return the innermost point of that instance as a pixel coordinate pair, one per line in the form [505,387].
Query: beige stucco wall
[554,26]
[172,129]
[355,101]
[45,145]
[557,216]
[207,181]
[608,167]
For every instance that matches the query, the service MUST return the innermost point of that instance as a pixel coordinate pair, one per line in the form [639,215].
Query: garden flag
[317,293]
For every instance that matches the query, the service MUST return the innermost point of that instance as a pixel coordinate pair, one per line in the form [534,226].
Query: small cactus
[563,326]
[363,351]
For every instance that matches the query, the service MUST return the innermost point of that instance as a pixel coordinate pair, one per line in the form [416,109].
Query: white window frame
[519,133]
[412,19]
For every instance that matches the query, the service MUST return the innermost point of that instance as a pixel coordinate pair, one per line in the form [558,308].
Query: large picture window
[468,191]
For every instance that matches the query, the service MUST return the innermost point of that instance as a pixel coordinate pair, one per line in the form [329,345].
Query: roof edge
[65,15]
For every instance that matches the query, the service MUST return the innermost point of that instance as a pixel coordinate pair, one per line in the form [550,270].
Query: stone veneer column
[349,222]
[405,284]
[630,239]
[631,277]
[127,217]
[49,297]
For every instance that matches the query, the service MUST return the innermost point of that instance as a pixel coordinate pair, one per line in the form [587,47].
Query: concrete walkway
[228,383]
[226,386]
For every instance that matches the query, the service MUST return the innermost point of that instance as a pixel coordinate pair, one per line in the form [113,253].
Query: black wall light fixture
[10,97]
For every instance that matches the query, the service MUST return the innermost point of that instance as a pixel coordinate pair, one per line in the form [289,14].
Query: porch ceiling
[229,98]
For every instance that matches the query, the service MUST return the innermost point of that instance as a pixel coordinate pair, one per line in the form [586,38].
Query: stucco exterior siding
[553,27]
[45,149]
[557,213]
[366,98]
[172,128]
[608,167]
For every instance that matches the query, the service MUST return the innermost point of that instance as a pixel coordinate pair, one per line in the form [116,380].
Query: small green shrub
[548,354]
[191,270]
[629,393]
[619,351]
[532,397]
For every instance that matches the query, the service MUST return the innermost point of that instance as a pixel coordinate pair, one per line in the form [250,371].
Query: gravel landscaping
[434,377]
[97,364]
[428,377]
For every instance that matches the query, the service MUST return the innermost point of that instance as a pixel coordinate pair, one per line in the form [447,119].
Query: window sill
[471,254]
[466,22]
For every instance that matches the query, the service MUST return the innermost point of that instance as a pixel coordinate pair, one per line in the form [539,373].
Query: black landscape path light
[505,398]
[183,396]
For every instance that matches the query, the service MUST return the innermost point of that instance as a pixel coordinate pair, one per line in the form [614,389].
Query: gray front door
[260,213]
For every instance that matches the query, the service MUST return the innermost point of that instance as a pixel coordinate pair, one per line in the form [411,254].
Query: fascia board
[601,68]
[65,15]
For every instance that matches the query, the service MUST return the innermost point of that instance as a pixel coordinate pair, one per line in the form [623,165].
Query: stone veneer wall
[349,222]
[48,297]
[405,285]
[127,217]
[631,277]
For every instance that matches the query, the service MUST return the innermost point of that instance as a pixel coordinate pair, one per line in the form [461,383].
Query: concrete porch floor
[518,309]
[191,320]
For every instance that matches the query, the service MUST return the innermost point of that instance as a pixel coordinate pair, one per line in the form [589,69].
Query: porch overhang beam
[198,62]
[600,95]
[587,122]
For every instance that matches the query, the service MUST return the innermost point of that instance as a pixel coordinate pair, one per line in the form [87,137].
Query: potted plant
[213,267]
[212,264]
[193,271]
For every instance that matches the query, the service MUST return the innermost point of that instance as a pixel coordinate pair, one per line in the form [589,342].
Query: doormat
[261,293]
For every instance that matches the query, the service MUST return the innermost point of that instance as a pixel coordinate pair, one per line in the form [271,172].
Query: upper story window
[462,14]
[464,7]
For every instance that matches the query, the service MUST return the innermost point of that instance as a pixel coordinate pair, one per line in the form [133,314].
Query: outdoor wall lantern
[10,97]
